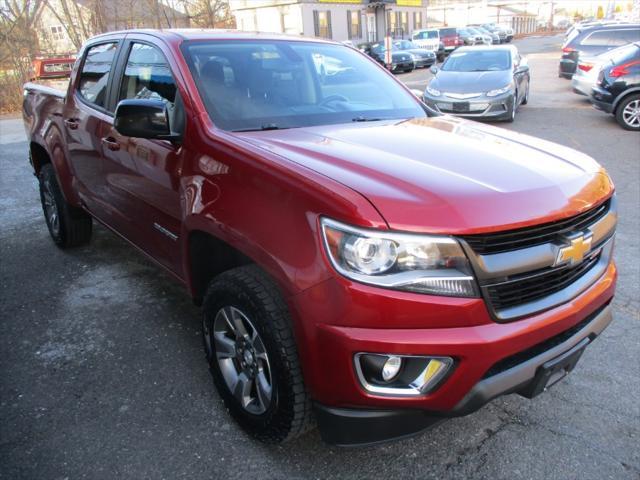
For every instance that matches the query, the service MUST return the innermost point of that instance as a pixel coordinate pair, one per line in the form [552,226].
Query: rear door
[143,175]
[86,114]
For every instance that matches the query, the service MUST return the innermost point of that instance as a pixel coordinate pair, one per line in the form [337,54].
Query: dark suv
[593,41]
[617,90]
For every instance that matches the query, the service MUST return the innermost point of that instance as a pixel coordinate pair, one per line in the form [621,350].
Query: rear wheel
[69,226]
[253,357]
[628,113]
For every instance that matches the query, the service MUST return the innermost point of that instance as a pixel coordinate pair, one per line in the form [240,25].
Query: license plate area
[551,372]
[461,107]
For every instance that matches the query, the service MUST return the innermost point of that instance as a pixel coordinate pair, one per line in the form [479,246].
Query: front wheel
[525,100]
[514,108]
[252,355]
[628,113]
[69,226]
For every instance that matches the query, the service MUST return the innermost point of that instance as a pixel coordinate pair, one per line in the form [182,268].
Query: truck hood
[445,174]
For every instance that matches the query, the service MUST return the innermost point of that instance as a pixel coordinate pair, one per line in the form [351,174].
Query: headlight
[433,91]
[498,91]
[400,261]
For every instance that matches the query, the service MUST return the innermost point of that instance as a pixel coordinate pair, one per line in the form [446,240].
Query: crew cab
[360,259]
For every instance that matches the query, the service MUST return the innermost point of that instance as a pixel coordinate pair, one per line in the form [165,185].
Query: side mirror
[522,68]
[434,69]
[144,118]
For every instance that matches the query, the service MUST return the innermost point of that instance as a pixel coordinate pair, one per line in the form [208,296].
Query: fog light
[401,375]
[391,368]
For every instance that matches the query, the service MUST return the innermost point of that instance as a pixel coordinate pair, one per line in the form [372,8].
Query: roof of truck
[213,34]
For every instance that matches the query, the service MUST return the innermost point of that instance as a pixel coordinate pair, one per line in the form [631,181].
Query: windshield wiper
[366,119]
[266,126]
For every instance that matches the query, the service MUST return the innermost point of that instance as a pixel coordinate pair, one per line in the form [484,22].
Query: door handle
[72,123]
[111,143]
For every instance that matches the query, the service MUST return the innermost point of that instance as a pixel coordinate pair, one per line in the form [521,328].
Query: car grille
[528,237]
[533,286]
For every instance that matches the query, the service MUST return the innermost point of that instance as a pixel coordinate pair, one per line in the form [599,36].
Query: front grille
[538,349]
[486,244]
[532,286]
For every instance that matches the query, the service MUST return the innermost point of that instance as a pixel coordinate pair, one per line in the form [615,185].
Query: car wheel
[252,355]
[441,58]
[525,100]
[514,108]
[628,113]
[68,226]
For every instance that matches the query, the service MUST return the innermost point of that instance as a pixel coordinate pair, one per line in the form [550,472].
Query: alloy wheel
[242,359]
[631,114]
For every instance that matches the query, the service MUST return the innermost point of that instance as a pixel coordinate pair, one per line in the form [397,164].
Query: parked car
[593,41]
[421,57]
[617,90]
[588,69]
[468,37]
[355,254]
[495,38]
[493,28]
[401,61]
[485,38]
[450,39]
[480,82]
[427,38]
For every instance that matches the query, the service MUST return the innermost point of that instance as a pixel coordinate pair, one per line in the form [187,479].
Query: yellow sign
[409,3]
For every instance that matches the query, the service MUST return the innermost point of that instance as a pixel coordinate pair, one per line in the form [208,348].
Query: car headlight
[498,91]
[400,261]
[433,91]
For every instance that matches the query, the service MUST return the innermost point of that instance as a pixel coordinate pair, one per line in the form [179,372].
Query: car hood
[445,174]
[470,82]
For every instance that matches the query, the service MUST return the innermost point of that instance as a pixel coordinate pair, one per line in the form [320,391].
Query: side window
[597,38]
[94,77]
[626,36]
[147,75]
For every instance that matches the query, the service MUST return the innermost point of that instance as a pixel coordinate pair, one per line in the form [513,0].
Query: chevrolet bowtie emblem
[575,252]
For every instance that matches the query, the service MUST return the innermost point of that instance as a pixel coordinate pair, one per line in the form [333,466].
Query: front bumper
[495,108]
[339,318]
[357,427]
[402,66]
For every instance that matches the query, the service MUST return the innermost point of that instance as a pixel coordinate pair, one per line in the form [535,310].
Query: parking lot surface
[102,371]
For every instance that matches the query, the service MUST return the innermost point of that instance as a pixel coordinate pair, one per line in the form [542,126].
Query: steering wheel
[333,98]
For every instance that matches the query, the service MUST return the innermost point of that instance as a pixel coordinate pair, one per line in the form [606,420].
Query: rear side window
[94,76]
[147,75]
[611,38]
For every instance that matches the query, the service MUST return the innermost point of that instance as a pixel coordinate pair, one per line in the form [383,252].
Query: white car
[427,38]
[588,69]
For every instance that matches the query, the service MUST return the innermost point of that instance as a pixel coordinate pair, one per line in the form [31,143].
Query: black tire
[441,58]
[514,108]
[525,100]
[71,226]
[630,101]
[249,290]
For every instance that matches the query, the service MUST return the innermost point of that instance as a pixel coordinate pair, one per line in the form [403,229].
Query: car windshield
[267,85]
[478,61]
[403,45]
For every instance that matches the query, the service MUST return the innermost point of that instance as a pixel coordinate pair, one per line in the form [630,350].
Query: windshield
[478,61]
[432,34]
[403,45]
[265,85]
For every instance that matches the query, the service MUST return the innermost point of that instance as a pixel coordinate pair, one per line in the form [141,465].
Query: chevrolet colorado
[362,262]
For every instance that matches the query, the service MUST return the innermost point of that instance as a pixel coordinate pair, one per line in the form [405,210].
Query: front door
[142,175]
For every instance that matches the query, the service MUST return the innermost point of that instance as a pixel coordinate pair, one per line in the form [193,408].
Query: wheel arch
[622,96]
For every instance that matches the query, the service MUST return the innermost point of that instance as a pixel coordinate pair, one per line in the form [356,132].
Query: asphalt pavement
[103,376]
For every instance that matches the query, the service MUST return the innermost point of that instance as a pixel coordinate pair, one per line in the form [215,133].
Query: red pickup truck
[361,261]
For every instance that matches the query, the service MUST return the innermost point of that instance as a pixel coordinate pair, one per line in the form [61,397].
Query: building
[355,20]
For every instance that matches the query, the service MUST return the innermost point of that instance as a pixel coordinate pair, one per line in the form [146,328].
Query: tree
[209,13]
